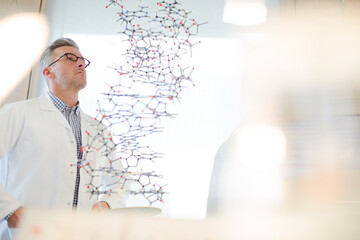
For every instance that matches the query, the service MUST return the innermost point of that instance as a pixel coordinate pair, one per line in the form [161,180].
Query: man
[41,145]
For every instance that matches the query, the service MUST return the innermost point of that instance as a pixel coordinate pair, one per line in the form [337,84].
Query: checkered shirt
[73,118]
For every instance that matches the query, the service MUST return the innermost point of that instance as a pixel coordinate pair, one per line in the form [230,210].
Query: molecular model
[151,78]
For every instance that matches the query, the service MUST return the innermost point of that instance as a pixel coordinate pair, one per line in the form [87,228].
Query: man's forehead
[67,49]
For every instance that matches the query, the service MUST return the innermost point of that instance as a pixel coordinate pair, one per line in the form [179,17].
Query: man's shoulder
[89,118]
[94,125]
[20,105]
[24,102]
[92,120]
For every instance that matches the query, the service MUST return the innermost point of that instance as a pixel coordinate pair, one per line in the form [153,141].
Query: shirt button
[72,172]
[68,204]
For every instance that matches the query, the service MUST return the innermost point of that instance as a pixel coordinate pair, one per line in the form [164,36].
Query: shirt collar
[62,106]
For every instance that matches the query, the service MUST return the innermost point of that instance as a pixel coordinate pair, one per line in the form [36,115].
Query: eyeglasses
[71,57]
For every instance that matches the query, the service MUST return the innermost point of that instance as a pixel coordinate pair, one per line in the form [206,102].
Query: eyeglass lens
[74,58]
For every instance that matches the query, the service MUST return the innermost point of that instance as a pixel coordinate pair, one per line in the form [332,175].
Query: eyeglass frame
[66,55]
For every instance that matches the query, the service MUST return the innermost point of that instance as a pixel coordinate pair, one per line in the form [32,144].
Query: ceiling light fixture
[245,13]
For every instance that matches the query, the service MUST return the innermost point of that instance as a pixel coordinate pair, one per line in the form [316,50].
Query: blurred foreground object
[39,224]
[59,225]
[302,77]
[23,38]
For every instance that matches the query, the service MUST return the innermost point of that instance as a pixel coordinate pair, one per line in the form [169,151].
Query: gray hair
[61,42]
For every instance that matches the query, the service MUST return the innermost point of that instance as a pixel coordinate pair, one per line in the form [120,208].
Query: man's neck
[67,97]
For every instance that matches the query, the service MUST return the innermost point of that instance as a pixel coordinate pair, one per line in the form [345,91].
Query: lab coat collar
[46,104]
[86,121]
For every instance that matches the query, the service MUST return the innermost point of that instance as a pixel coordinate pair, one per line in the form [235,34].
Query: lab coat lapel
[85,126]
[47,105]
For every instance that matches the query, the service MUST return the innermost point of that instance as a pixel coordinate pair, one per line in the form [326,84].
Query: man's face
[67,74]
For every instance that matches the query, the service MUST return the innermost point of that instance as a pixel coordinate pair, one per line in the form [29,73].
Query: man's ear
[48,73]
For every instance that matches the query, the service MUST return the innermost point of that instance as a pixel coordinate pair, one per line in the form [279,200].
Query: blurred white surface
[23,38]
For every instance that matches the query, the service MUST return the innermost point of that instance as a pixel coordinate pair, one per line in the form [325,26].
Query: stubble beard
[78,83]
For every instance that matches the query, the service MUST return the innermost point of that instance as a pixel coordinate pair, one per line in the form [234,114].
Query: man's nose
[81,63]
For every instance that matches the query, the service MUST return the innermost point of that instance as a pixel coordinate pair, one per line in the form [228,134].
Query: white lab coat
[37,148]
